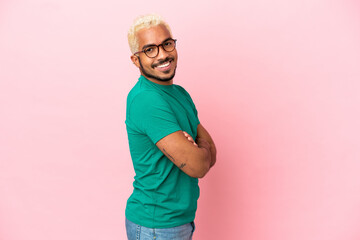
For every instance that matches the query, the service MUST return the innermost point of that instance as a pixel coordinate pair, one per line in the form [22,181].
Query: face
[160,69]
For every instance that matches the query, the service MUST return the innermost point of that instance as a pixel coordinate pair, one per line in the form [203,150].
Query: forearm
[203,134]
[213,154]
[198,162]
[192,159]
[204,161]
[199,158]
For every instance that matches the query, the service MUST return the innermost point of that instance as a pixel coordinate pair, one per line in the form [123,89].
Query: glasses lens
[151,51]
[169,45]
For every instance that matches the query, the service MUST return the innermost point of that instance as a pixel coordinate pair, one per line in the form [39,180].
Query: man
[162,123]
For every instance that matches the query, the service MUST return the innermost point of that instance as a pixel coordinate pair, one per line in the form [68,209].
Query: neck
[167,83]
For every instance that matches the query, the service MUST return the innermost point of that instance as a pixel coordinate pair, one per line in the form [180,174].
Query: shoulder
[145,98]
[148,95]
[182,90]
[185,93]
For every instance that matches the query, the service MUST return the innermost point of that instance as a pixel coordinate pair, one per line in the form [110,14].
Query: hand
[189,138]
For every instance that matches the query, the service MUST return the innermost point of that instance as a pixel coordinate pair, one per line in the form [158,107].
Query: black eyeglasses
[153,50]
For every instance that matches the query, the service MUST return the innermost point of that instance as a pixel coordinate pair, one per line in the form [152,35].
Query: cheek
[176,56]
[147,63]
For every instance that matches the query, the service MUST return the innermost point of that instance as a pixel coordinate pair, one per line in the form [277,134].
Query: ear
[135,60]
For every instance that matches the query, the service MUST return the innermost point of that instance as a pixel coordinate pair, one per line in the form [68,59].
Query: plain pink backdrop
[276,83]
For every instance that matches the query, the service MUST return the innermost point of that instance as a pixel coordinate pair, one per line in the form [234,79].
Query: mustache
[160,62]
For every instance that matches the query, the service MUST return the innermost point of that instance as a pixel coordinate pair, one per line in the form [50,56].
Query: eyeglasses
[153,50]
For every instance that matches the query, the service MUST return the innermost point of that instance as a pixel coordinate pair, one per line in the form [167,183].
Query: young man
[162,123]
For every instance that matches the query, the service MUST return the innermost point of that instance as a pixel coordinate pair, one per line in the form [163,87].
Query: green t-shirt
[163,196]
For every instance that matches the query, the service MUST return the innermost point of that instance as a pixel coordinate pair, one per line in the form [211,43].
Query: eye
[169,43]
[149,50]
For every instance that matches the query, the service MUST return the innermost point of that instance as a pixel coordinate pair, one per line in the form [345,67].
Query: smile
[164,67]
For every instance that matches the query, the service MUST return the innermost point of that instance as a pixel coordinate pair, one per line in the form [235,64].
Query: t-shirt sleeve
[152,115]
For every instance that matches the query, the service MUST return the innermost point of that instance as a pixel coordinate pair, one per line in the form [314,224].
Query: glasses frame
[157,46]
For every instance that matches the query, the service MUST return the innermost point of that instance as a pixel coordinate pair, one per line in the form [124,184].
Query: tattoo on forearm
[173,159]
[182,165]
[167,154]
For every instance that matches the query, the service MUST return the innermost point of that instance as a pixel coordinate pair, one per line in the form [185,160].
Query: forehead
[152,35]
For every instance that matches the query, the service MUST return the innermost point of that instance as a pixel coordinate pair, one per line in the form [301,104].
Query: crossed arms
[195,158]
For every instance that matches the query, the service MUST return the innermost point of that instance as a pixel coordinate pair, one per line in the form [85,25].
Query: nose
[162,53]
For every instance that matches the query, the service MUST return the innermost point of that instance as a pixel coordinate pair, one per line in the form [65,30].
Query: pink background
[276,83]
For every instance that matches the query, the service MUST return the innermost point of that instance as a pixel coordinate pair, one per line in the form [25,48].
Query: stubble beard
[149,75]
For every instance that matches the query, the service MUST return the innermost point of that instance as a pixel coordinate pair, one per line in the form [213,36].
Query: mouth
[165,66]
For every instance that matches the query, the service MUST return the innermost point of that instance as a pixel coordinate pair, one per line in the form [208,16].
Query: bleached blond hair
[141,22]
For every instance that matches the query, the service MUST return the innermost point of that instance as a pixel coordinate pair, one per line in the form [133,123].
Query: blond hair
[141,22]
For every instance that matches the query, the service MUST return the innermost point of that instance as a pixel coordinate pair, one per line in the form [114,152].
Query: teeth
[164,65]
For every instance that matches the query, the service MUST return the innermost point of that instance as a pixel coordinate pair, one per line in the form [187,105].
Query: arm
[191,159]
[203,134]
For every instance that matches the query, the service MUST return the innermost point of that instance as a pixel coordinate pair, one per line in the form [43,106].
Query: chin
[166,78]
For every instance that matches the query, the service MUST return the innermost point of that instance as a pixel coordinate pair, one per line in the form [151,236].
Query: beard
[149,75]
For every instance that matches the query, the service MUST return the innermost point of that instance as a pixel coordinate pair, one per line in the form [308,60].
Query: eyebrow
[150,45]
